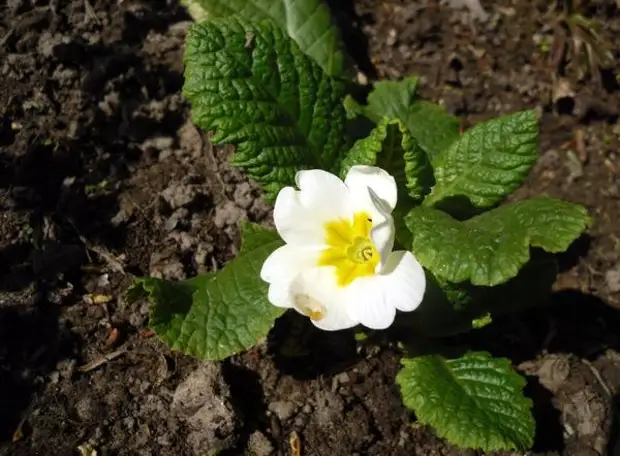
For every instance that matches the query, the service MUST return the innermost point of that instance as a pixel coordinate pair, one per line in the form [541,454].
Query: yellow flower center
[350,249]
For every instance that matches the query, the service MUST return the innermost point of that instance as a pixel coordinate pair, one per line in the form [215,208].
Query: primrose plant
[386,215]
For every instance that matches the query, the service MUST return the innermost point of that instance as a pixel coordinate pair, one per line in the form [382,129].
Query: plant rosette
[351,179]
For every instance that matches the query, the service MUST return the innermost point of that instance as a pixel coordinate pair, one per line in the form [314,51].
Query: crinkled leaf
[391,147]
[488,162]
[216,315]
[432,127]
[490,248]
[251,84]
[474,401]
[429,124]
[308,22]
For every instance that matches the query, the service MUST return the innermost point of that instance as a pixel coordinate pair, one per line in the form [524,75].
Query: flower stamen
[310,307]
[350,249]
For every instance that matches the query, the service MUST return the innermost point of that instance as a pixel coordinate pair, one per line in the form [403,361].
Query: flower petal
[280,294]
[401,285]
[361,177]
[383,231]
[316,294]
[280,269]
[285,262]
[366,302]
[300,215]
[403,280]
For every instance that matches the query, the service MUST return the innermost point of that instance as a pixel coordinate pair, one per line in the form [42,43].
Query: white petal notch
[338,266]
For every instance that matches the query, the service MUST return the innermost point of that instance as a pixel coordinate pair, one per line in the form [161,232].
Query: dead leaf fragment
[580,145]
[92,299]
[101,361]
[295,444]
[87,450]
[113,339]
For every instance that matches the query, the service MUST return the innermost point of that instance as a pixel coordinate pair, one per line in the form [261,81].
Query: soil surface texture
[103,177]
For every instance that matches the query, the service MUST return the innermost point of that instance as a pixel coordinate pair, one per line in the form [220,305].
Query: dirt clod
[202,402]
[612,277]
[283,409]
[259,445]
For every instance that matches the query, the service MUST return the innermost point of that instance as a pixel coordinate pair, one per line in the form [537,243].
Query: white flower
[337,266]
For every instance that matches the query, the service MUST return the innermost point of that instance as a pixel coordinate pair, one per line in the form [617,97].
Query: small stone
[283,409]
[47,43]
[243,195]
[612,278]
[54,377]
[177,217]
[166,265]
[340,379]
[553,372]
[179,195]
[185,240]
[200,255]
[259,445]
[227,214]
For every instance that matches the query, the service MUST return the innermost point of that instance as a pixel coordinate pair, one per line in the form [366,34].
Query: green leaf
[308,22]
[488,162]
[391,147]
[432,127]
[392,98]
[252,84]
[474,401]
[429,124]
[490,248]
[216,315]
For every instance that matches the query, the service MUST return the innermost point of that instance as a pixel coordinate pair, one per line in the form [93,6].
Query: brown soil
[103,177]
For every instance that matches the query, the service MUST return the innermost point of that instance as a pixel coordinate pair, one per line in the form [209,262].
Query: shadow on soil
[305,352]
[355,40]
[62,162]
[613,448]
[248,399]
[31,344]
[572,323]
